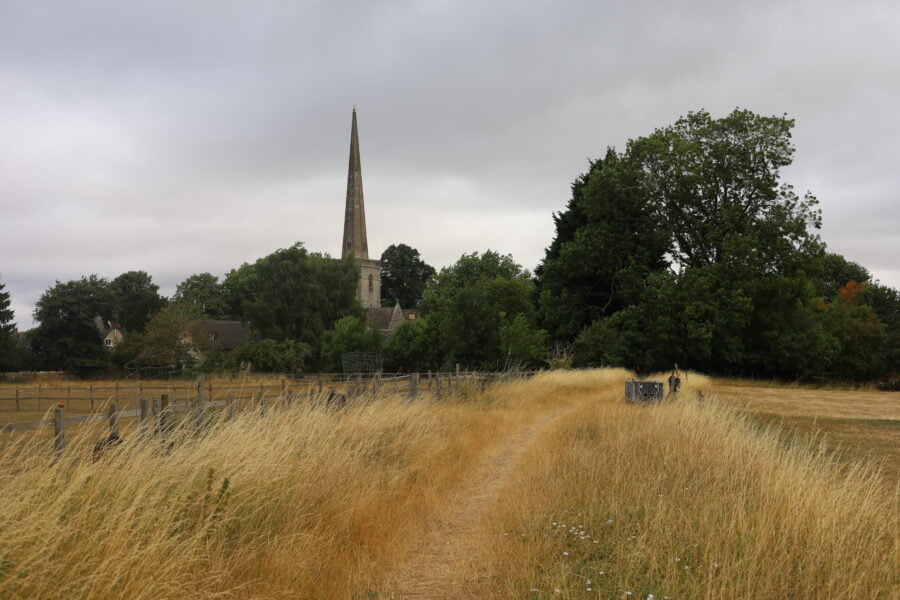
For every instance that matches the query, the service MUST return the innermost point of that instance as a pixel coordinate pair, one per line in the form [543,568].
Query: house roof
[387,319]
[228,333]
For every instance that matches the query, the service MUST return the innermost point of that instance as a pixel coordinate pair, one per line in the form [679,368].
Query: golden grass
[797,402]
[854,424]
[688,501]
[309,502]
[306,502]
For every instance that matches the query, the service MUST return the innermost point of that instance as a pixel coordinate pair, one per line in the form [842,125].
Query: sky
[185,137]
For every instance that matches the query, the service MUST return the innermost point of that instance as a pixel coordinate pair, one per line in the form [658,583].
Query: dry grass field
[545,488]
[852,423]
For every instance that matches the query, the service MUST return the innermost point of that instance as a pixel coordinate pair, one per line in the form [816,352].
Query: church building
[356,246]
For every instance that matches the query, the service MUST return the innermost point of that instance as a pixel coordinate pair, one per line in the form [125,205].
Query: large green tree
[411,347]
[300,295]
[239,288]
[66,336]
[716,184]
[607,241]
[135,299]
[403,276]
[745,265]
[204,291]
[469,303]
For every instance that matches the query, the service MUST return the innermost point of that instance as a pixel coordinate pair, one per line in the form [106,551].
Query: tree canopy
[403,276]
[204,291]
[135,300]
[66,336]
[299,295]
[687,247]
[10,358]
[471,303]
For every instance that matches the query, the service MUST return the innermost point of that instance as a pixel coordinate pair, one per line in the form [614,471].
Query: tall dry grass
[684,500]
[304,502]
[675,500]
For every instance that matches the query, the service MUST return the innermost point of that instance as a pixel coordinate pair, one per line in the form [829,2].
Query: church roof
[387,319]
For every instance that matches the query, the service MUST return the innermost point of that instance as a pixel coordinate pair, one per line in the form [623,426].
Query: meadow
[550,487]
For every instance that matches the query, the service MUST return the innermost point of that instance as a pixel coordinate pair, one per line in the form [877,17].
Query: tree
[10,355]
[204,291]
[411,347]
[403,276]
[607,241]
[716,185]
[175,336]
[861,336]
[837,271]
[239,288]
[688,248]
[135,299]
[299,295]
[467,303]
[269,356]
[66,336]
[349,334]
[521,344]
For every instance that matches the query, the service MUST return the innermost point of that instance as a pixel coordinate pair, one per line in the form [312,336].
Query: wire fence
[90,402]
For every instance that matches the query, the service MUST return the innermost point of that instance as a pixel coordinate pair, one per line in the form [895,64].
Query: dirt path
[437,570]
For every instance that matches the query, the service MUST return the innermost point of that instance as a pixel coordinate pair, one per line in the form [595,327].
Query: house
[224,334]
[110,332]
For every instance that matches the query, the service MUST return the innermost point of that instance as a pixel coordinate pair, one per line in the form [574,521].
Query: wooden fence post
[17,397]
[113,421]
[163,421]
[59,431]
[144,415]
[91,395]
[116,398]
[283,387]
[201,388]
[413,385]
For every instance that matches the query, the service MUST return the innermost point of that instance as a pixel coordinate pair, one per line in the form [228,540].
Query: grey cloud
[184,137]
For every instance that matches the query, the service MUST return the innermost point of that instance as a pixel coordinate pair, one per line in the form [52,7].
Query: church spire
[355,242]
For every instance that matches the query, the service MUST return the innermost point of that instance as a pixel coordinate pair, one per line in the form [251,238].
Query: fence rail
[133,401]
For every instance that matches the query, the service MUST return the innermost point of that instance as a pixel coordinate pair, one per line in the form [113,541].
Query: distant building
[110,332]
[226,335]
[355,245]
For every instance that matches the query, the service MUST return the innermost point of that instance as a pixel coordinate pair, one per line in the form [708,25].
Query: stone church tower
[355,244]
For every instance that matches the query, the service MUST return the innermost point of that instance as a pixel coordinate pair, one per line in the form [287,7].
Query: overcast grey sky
[181,137]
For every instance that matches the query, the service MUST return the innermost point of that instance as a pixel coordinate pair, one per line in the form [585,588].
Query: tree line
[685,248]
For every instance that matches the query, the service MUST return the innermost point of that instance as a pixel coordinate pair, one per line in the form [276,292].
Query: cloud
[185,137]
